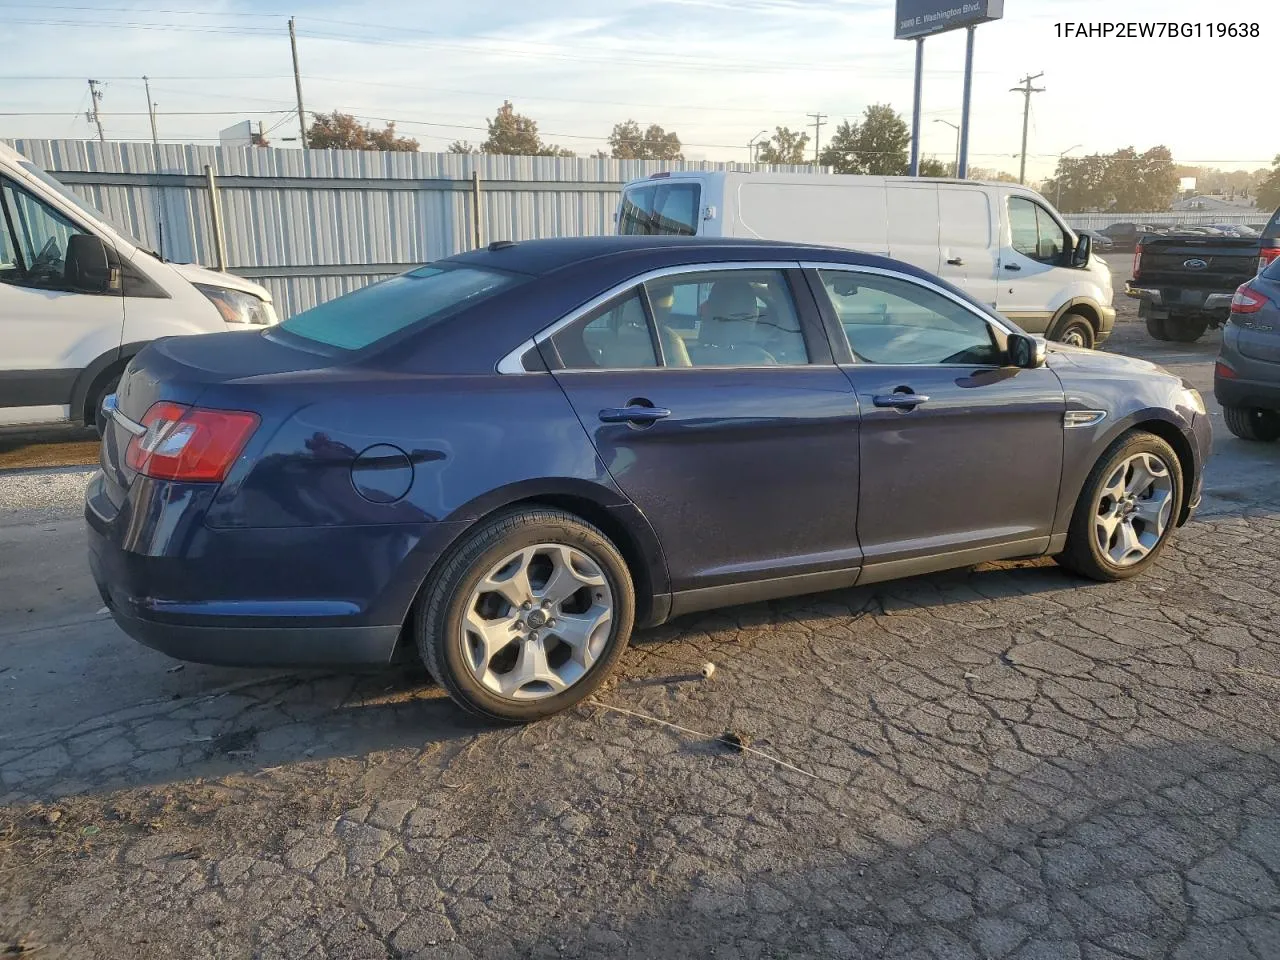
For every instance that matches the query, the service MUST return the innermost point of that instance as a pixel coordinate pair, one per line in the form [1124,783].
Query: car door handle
[1012,266]
[633,414]
[900,401]
[956,261]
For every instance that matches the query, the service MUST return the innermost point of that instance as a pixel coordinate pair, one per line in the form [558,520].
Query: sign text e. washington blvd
[922,18]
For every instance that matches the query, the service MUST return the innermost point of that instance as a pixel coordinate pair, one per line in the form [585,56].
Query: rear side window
[365,316]
[660,209]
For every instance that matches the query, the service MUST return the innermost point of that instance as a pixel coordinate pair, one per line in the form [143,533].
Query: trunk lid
[1193,262]
[180,370]
[1259,332]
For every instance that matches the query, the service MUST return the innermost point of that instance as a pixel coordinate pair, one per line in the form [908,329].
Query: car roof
[541,257]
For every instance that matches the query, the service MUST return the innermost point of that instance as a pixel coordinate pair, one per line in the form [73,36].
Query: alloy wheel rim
[537,622]
[1133,509]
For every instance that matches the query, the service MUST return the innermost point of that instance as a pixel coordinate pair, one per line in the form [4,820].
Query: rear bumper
[258,597]
[1248,393]
[1165,302]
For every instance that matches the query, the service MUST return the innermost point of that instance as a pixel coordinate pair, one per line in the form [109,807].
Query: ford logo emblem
[1195,263]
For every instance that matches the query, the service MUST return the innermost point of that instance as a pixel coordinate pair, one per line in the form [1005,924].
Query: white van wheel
[1075,330]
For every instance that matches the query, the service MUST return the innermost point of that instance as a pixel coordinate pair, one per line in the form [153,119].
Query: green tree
[517,135]
[990,173]
[931,167]
[785,146]
[342,131]
[1267,194]
[461,146]
[878,144]
[629,142]
[1122,182]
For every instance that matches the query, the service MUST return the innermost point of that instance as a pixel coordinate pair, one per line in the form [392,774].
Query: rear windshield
[367,315]
[660,209]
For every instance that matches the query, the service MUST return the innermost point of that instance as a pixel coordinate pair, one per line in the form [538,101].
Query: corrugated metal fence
[313,224]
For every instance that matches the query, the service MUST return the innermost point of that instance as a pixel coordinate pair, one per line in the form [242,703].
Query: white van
[79,299]
[1003,244]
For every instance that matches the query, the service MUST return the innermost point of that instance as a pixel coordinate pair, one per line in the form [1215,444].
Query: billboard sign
[923,18]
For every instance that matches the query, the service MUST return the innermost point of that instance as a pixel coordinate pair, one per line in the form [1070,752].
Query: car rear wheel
[1252,423]
[1126,511]
[1156,328]
[527,616]
[1075,330]
[1185,329]
[98,418]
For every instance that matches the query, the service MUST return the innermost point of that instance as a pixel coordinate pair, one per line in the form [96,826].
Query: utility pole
[151,112]
[819,121]
[95,98]
[297,84]
[1026,89]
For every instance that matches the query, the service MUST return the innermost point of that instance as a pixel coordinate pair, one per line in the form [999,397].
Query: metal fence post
[477,234]
[215,213]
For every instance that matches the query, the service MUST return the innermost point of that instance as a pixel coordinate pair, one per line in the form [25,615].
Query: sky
[718,72]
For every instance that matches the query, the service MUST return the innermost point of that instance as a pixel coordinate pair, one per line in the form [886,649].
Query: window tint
[665,208]
[888,320]
[42,235]
[1023,227]
[615,337]
[727,318]
[371,313]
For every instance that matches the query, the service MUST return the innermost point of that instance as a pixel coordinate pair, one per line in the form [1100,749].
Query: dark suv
[1246,380]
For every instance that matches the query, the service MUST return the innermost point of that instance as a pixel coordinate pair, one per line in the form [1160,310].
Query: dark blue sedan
[508,459]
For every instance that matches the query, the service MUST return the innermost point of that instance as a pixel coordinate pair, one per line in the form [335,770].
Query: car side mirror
[1025,352]
[1080,252]
[86,268]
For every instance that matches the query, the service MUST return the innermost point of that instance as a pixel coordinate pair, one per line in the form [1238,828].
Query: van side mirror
[1080,252]
[1025,352]
[86,268]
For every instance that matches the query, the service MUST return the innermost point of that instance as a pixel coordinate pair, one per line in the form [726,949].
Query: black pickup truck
[1184,283]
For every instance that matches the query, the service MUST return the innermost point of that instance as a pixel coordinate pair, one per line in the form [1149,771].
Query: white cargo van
[1003,244]
[79,299]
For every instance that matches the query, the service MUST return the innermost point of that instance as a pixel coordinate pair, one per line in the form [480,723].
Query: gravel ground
[35,496]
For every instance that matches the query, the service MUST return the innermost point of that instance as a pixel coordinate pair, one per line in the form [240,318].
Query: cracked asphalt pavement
[998,762]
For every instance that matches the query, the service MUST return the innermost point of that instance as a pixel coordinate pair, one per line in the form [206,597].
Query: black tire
[1186,329]
[1253,423]
[1082,554]
[1156,328]
[1076,329]
[94,415]
[438,625]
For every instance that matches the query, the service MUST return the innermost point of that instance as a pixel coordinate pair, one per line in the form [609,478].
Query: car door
[712,398]
[1031,264]
[968,232]
[49,332]
[961,453]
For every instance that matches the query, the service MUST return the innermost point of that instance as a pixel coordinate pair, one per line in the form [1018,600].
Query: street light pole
[751,146]
[955,171]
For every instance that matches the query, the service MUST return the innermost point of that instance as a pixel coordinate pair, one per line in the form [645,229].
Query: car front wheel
[527,616]
[1252,423]
[1126,511]
[1075,331]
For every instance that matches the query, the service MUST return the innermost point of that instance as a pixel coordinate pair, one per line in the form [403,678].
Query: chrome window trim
[908,278]
[511,365]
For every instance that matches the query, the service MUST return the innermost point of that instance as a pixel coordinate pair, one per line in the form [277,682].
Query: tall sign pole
[917,19]
[915,109]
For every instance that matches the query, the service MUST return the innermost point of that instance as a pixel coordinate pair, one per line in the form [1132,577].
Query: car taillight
[1137,259]
[1266,255]
[1247,300]
[1220,369]
[189,443]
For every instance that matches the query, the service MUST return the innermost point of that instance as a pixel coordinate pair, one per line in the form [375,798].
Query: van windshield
[77,201]
[422,296]
[660,209]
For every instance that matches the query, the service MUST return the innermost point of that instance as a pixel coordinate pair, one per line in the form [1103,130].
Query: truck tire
[1186,329]
[1156,328]
[1252,423]
[1076,330]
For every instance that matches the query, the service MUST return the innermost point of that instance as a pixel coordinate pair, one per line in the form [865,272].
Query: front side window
[894,321]
[1034,233]
[34,251]
[663,208]
[365,316]
[614,337]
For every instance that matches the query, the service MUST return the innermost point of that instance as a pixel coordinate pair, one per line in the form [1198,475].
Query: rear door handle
[1012,266]
[900,401]
[633,414]
[956,261]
